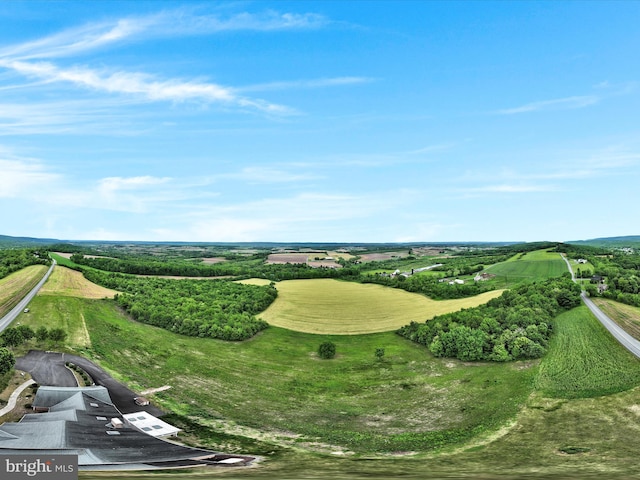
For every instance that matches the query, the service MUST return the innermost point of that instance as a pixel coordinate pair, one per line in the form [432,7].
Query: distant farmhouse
[85,422]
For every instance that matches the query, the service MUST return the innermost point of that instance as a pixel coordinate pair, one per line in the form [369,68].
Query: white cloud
[22,179]
[140,84]
[555,104]
[27,59]
[167,23]
[114,184]
[78,40]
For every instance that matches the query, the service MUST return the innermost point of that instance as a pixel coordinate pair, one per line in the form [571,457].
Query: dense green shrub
[7,361]
[327,350]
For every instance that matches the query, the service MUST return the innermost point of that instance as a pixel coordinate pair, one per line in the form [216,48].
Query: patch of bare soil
[212,260]
[282,258]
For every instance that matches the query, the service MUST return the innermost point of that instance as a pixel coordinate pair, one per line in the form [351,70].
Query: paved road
[619,334]
[11,316]
[48,368]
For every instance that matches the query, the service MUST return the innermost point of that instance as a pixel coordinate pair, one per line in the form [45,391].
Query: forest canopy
[517,325]
[200,308]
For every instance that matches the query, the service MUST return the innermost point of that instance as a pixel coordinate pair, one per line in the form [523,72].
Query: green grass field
[584,360]
[15,286]
[327,306]
[410,415]
[275,383]
[537,265]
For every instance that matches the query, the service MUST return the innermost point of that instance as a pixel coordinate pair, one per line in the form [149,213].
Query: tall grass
[584,360]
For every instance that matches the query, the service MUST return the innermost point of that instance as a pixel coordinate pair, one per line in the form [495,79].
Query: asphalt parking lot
[48,368]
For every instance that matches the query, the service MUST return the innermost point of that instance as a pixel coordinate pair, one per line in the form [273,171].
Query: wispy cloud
[144,85]
[299,84]
[177,22]
[507,188]
[20,177]
[268,175]
[313,216]
[34,59]
[555,104]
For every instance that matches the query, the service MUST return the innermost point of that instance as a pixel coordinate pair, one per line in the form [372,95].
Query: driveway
[48,368]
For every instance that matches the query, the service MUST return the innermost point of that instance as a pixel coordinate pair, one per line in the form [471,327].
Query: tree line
[12,260]
[517,325]
[200,308]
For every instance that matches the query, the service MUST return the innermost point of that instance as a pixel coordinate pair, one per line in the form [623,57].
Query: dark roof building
[80,421]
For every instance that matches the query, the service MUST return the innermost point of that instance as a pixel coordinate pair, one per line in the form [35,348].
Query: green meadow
[573,413]
[246,397]
[584,360]
[529,267]
[276,383]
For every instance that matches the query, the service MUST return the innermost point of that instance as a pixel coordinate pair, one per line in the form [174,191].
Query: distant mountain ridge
[620,242]
[7,241]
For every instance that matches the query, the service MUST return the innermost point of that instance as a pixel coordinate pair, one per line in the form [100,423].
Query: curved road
[11,316]
[619,334]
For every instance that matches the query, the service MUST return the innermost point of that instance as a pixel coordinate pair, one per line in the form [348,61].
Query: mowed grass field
[626,316]
[67,282]
[537,265]
[328,306]
[15,286]
[47,309]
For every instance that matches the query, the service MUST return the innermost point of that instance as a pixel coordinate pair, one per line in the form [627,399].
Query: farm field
[307,259]
[16,285]
[377,257]
[407,414]
[407,401]
[278,258]
[584,360]
[213,260]
[536,265]
[67,282]
[327,306]
[626,316]
[255,281]
[489,414]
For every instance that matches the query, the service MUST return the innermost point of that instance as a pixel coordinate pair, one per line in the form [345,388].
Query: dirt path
[156,390]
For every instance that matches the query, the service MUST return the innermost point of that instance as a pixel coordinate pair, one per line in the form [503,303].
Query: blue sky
[319,121]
